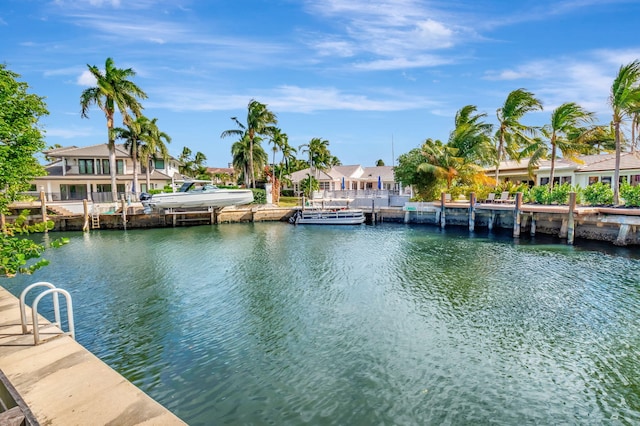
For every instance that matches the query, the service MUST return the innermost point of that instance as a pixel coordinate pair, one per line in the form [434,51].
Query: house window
[107,170]
[606,180]
[593,179]
[565,179]
[73,192]
[158,164]
[325,186]
[544,181]
[635,180]
[85,167]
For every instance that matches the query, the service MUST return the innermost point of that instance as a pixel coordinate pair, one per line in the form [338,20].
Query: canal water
[269,323]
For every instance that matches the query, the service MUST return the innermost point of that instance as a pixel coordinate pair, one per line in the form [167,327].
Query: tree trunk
[616,173]
[252,177]
[553,164]
[148,173]
[500,148]
[134,157]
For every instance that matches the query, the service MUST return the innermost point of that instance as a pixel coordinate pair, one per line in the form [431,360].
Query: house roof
[54,170]
[628,161]
[385,173]
[93,151]
[354,172]
[582,163]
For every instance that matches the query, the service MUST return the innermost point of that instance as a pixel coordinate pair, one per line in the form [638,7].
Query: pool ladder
[54,291]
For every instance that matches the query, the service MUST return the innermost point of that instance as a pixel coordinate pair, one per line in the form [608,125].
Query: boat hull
[216,198]
[330,217]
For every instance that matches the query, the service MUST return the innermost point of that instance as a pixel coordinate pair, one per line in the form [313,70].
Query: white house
[348,178]
[78,173]
[587,169]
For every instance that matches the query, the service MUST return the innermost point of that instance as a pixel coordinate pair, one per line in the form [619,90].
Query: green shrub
[259,196]
[560,194]
[540,194]
[598,194]
[630,194]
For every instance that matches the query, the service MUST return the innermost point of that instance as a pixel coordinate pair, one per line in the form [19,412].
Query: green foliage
[540,194]
[427,187]
[15,252]
[308,185]
[259,196]
[598,194]
[20,136]
[560,193]
[630,194]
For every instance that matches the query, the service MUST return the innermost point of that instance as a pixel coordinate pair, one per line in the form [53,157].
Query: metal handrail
[34,311]
[23,312]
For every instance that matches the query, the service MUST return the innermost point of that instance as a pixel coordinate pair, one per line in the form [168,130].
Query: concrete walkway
[64,384]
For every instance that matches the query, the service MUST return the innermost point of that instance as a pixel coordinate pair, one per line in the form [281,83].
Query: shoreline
[619,226]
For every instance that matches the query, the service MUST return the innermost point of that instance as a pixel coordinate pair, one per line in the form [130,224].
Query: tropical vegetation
[21,137]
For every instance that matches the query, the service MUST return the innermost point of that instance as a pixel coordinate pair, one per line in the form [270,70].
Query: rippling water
[276,324]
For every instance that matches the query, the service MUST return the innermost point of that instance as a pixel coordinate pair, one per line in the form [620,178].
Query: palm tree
[113,91]
[132,136]
[512,135]
[566,132]
[260,121]
[242,150]
[153,144]
[625,101]
[472,136]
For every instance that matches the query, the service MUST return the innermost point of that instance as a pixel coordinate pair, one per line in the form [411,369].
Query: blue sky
[374,78]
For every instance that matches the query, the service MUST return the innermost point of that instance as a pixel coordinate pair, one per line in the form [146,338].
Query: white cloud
[68,133]
[86,79]
[288,98]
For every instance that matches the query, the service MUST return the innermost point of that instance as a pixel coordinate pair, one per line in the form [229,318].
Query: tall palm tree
[625,101]
[260,121]
[512,135]
[566,132]
[113,91]
[153,146]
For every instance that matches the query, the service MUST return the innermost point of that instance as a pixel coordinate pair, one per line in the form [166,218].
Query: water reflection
[271,323]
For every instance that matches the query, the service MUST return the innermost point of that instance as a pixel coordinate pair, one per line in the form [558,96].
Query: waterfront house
[348,178]
[77,173]
[584,171]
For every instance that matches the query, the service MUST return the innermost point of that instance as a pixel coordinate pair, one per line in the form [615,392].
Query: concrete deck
[64,384]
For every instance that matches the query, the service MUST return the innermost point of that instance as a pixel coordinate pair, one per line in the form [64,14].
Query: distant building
[222,175]
[78,173]
[353,178]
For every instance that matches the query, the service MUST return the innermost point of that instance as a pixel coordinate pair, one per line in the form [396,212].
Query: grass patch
[289,202]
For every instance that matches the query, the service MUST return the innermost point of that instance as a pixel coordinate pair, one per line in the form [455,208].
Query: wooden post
[43,207]
[123,203]
[3,223]
[516,215]
[443,220]
[472,211]
[85,205]
[491,220]
[571,224]
[533,224]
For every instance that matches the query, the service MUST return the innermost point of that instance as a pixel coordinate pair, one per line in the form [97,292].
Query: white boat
[339,216]
[191,195]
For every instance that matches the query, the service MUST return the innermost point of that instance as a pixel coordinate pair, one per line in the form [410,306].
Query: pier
[59,382]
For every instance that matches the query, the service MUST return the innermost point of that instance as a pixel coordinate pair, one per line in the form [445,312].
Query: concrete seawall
[619,226]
